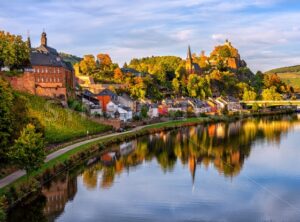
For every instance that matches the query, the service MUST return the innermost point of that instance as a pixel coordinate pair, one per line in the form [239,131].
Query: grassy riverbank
[23,186]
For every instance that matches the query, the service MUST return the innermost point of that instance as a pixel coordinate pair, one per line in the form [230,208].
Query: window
[38,70]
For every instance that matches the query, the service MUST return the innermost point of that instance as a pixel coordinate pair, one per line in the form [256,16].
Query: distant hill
[70,58]
[290,75]
[289,69]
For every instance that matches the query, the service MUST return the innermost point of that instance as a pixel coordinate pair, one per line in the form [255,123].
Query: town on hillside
[151,88]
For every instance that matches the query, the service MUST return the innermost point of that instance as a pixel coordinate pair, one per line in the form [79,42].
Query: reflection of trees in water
[49,204]
[225,146]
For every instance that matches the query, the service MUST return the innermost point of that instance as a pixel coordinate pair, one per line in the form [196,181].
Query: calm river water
[243,171]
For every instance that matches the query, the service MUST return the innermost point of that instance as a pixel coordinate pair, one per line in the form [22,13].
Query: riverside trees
[14,129]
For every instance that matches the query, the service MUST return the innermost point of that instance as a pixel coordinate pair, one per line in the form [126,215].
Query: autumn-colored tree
[272,80]
[198,87]
[176,85]
[249,95]
[104,61]
[271,94]
[87,65]
[138,89]
[118,75]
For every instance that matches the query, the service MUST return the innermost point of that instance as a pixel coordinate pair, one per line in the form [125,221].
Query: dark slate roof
[47,56]
[107,92]
[88,93]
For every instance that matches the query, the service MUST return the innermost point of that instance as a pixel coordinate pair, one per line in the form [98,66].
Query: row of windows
[46,70]
[50,79]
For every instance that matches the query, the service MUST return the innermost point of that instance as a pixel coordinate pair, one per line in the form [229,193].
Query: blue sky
[266,32]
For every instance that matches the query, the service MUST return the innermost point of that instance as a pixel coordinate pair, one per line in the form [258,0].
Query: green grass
[61,124]
[292,79]
[290,75]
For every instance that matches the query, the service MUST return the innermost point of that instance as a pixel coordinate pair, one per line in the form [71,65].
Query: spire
[189,61]
[192,166]
[189,54]
[28,39]
[44,38]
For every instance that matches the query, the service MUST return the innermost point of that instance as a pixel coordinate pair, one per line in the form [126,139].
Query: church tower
[189,61]
[28,40]
[44,39]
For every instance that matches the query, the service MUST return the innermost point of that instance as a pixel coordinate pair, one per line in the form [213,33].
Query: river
[247,170]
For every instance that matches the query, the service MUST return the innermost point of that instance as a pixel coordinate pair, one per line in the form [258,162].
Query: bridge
[268,103]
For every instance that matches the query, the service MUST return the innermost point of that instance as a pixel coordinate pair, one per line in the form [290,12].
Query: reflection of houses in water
[220,130]
[58,194]
[234,128]
[128,147]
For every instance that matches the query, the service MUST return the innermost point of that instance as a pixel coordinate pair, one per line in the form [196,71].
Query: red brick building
[48,75]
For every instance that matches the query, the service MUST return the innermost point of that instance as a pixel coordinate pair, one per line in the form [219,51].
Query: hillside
[70,58]
[290,75]
[61,124]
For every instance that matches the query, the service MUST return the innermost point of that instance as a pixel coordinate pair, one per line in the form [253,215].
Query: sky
[266,32]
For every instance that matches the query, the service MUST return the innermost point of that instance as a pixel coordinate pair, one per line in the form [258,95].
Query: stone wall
[25,82]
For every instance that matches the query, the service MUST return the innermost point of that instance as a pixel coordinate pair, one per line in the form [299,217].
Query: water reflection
[223,147]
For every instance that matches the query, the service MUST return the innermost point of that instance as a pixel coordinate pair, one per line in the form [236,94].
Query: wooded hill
[290,75]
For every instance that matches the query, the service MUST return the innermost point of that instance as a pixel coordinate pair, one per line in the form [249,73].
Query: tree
[144,112]
[249,95]
[198,87]
[118,75]
[271,94]
[176,85]
[104,61]
[6,117]
[273,80]
[28,152]
[14,52]
[88,64]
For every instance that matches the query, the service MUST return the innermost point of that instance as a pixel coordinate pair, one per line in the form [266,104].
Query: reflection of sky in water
[267,189]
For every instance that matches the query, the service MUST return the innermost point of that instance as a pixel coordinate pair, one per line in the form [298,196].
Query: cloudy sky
[266,32]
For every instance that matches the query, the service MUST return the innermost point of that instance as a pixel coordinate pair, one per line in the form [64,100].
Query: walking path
[16,175]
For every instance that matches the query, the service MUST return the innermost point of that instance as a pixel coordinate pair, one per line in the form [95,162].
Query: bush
[203,115]
[2,215]
[76,105]
[255,107]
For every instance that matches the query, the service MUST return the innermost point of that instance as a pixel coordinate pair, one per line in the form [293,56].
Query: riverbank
[66,158]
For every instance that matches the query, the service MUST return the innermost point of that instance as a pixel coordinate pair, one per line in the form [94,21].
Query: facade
[105,97]
[125,100]
[48,74]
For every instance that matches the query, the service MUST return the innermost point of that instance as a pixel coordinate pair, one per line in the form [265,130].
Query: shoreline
[23,187]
